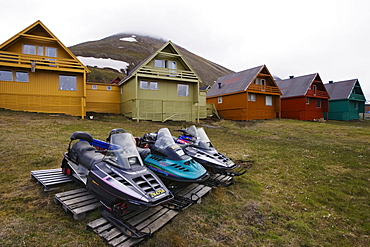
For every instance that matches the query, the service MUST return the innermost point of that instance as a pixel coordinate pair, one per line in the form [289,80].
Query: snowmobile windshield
[123,151]
[165,141]
[203,138]
[192,130]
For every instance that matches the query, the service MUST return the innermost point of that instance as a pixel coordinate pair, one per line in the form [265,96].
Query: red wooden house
[246,95]
[304,98]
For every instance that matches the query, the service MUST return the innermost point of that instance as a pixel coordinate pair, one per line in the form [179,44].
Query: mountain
[133,49]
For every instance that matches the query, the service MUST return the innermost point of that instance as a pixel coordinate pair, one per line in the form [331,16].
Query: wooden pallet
[147,220]
[78,202]
[50,178]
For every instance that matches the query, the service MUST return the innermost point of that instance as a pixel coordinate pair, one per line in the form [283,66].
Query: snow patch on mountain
[129,39]
[103,63]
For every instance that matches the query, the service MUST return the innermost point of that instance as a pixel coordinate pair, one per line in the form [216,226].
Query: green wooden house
[347,101]
[163,87]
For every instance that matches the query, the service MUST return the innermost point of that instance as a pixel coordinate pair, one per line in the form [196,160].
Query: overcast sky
[329,37]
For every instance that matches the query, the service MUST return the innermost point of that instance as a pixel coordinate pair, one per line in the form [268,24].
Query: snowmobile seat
[86,154]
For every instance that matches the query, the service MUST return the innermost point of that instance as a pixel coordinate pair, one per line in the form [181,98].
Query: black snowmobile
[197,145]
[116,176]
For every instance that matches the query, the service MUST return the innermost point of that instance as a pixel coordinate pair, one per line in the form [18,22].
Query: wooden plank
[70,192]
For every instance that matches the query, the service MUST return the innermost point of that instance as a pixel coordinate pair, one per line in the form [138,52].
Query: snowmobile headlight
[132,160]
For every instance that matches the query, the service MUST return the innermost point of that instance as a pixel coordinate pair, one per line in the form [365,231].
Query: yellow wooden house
[163,87]
[39,74]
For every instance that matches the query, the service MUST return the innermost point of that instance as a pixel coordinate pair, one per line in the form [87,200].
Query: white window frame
[144,85]
[21,76]
[219,100]
[268,100]
[67,82]
[307,101]
[252,97]
[158,63]
[50,51]
[108,88]
[94,87]
[181,88]
[29,49]
[153,85]
[4,74]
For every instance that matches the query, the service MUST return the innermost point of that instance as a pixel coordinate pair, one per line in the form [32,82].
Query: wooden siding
[102,100]
[345,110]
[237,107]
[296,108]
[42,94]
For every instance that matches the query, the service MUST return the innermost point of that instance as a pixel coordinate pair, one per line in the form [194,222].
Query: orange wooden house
[246,95]
[39,74]
[304,98]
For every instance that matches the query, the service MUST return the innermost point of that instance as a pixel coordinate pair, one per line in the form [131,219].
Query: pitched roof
[297,86]
[40,30]
[340,89]
[152,56]
[235,82]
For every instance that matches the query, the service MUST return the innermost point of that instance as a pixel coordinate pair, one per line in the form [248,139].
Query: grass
[307,184]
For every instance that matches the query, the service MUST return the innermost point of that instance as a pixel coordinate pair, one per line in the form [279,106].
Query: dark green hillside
[134,52]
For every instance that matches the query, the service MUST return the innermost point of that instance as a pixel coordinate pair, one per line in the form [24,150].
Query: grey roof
[235,82]
[296,86]
[340,89]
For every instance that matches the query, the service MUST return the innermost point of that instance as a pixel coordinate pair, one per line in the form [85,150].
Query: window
[307,101]
[40,50]
[165,64]
[51,52]
[29,49]
[108,88]
[158,63]
[251,97]
[356,105]
[144,85]
[318,103]
[94,87]
[268,100]
[67,82]
[219,100]
[153,85]
[21,76]
[183,90]
[173,65]
[121,90]
[6,75]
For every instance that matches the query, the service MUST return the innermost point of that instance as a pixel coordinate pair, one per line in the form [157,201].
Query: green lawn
[307,184]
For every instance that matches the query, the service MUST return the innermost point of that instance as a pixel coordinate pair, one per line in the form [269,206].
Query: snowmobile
[116,176]
[167,159]
[197,145]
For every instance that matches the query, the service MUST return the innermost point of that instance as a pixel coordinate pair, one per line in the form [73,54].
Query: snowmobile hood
[176,169]
[141,184]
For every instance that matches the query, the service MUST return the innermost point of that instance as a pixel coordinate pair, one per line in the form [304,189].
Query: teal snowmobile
[168,160]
